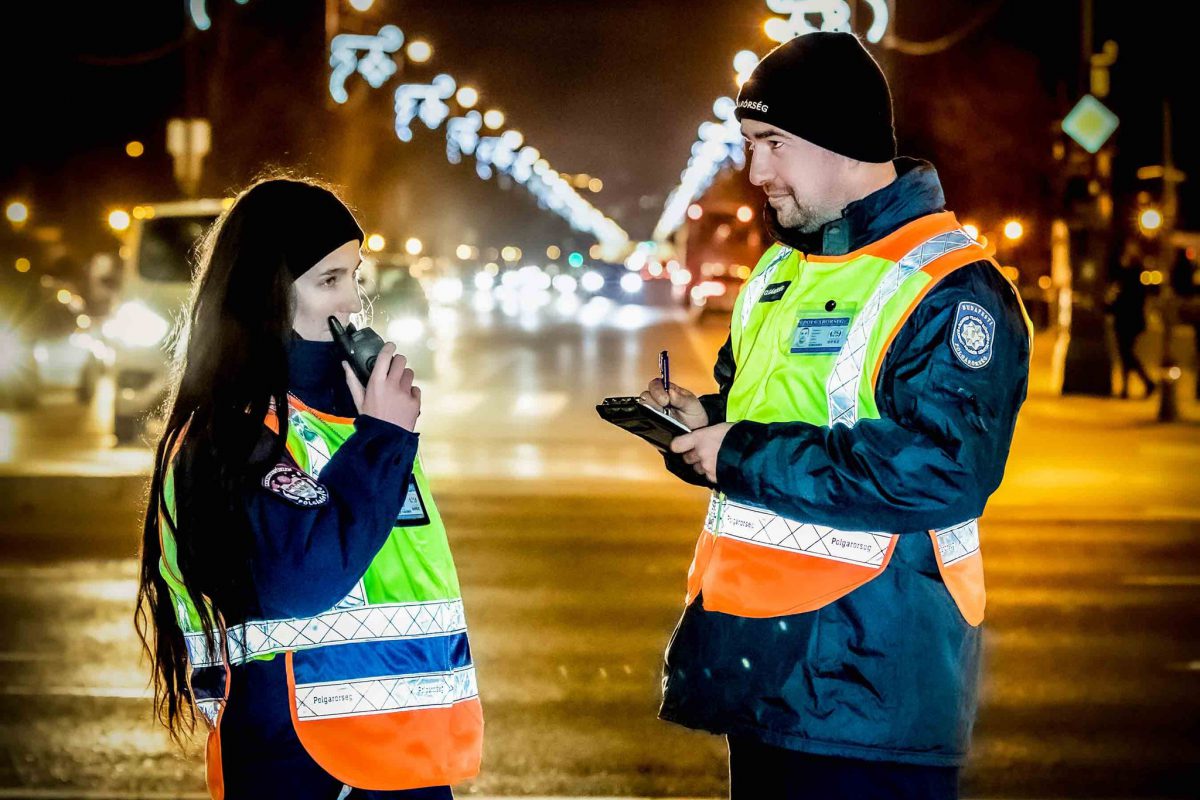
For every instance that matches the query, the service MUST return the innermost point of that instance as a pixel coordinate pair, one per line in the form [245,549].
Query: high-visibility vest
[382,686]
[809,336]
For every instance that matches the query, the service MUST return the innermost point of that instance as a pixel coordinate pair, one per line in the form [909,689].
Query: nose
[760,174]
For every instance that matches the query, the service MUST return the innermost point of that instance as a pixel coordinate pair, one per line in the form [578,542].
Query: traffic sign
[1090,123]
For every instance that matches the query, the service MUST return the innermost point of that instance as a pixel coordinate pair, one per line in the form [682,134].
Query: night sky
[615,89]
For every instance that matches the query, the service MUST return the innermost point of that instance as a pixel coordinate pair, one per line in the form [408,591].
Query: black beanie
[827,89]
[310,221]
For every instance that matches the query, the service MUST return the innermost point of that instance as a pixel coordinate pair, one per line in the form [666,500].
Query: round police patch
[293,485]
[973,335]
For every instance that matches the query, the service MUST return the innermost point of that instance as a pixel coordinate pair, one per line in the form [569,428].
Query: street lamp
[118,220]
[467,97]
[493,118]
[419,52]
[17,213]
[1150,220]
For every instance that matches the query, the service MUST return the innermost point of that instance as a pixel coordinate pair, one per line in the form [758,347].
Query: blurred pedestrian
[297,588]
[867,398]
[1128,309]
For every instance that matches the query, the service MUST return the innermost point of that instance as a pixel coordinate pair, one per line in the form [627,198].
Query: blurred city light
[135,325]
[565,283]
[594,252]
[595,185]
[17,212]
[376,242]
[745,214]
[83,321]
[1150,219]
[1013,230]
[463,252]
[553,252]
[972,230]
[510,253]
[494,118]
[631,283]
[362,5]
[743,64]
[1045,282]
[447,290]
[592,281]
[681,277]
[134,149]
[118,220]
[405,330]
[467,97]
[419,51]
[413,246]
[694,211]
[575,259]
[22,264]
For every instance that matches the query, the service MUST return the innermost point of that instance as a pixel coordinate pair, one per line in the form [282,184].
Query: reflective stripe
[382,695]
[843,385]
[958,541]
[762,527]
[755,288]
[370,623]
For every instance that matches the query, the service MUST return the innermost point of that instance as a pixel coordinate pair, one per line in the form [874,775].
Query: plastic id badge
[643,421]
[821,332]
[413,512]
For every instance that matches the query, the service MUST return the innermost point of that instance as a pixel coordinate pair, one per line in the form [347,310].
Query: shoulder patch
[294,485]
[973,335]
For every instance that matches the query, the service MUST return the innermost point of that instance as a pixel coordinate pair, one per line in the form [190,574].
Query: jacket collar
[916,192]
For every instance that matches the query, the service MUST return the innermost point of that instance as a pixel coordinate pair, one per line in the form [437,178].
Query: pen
[664,371]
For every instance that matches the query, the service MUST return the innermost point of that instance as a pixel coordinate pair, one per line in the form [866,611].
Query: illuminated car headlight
[135,325]
[405,330]
[631,283]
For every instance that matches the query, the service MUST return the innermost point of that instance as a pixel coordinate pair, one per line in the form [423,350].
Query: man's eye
[330,281]
[776,145]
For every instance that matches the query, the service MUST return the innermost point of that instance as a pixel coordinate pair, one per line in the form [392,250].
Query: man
[868,394]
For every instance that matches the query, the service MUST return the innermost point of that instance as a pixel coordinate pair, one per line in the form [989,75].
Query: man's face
[329,289]
[803,182]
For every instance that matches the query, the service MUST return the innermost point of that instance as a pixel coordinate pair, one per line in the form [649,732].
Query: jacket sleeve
[714,405]
[308,557]
[937,452]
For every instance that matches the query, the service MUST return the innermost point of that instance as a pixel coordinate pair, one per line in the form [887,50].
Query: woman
[297,587]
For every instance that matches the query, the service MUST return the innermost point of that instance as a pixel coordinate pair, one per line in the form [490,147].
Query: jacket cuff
[375,427]
[731,478]
[714,407]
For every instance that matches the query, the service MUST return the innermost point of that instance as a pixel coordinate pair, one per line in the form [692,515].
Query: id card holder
[821,333]
[413,512]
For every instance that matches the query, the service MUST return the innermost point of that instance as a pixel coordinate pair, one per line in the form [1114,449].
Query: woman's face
[329,289]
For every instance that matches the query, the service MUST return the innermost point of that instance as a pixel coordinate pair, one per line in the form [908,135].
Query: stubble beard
[797,216]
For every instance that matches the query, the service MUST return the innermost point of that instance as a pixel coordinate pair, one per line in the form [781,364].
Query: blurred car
[42,348]
[400,312]
[716,289]
[156,277]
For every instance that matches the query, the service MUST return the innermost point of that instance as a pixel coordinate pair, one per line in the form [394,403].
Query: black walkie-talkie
[361,347]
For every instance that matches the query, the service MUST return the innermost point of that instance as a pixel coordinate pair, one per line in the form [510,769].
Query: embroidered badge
[293,485]
[973,335]
[774,292]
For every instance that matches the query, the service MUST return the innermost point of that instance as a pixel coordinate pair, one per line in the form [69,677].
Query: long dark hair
[230,371]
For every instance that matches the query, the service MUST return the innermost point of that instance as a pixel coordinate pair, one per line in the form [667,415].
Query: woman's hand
[685,406]
[389,394]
